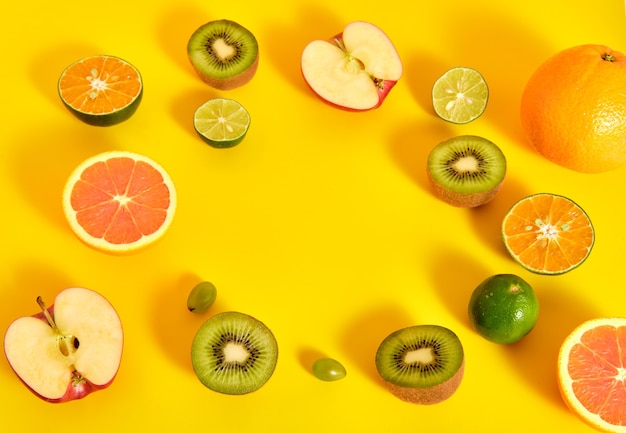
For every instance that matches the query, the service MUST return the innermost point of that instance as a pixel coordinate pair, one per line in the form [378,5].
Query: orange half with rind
[101,90]
[548,234]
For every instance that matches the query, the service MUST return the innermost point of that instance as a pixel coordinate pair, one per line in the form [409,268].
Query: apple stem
[49,318]
[67,343]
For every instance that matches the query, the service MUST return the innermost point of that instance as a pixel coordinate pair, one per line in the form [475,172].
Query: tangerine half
[548,233]
[101,90]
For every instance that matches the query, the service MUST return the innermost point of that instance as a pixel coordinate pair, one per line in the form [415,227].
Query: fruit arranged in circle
[328,369]
[573,109]
[234,353]
[354,70]
[68,350]
[460,95]
[547,233]
[101,90]
[119,201]
[421,364]
[221,122]
[503,308]
[466,171]
[591,365]
[224,54]
[201,297]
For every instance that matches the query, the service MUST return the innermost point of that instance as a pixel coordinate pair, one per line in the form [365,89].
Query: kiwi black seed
[234,353]
[421,364]
[466,171]
[224,54]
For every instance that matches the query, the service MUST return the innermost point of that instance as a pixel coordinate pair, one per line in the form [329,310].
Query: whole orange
[573,108]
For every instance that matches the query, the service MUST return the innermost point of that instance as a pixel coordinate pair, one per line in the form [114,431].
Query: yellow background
[320,223]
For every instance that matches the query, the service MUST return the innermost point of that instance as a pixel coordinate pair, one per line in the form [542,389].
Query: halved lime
[221,122]
[460,95]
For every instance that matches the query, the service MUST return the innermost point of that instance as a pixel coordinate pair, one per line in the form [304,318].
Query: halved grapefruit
[592,373]
[119,201]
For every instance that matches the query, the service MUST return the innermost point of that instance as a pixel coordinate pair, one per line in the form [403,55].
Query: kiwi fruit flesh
[421,364]
[234,353]
[466,171]
[224,54]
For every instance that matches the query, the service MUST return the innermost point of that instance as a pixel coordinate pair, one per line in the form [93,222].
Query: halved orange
[119,201]
[101,90]
[592,373]
[548,233]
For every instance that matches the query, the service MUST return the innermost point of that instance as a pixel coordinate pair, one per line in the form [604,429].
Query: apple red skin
[75,390]
[382,91]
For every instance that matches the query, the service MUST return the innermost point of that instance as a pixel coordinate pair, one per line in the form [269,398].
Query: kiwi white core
[222,49]
[466,165]
[235,353]
[419,356]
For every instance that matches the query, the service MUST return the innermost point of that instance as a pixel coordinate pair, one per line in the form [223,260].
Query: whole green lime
[503,308]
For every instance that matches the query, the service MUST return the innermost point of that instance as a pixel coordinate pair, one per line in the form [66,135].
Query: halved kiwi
[421,364]
[224,54]
[234,353]
[466,171]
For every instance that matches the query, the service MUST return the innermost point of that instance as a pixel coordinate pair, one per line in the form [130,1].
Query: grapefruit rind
[518,256]
[110,118]
[565,381]
[101,244]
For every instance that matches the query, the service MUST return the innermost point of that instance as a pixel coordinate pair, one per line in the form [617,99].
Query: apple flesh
[355,70]
[69,350]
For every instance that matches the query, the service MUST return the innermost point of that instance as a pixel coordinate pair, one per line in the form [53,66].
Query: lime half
[221,122]
[460,95]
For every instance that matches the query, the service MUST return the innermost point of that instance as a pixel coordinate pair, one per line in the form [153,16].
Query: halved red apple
[69,350]
[355,70]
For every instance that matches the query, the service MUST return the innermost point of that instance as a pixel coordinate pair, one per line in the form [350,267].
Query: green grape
[201,297]
[328,369]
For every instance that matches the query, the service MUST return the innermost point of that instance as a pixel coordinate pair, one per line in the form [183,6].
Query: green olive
[328,369]
[201,297]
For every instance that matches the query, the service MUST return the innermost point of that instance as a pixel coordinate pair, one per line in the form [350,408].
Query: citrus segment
[221,122]
[573,112]
[547,233]
[119,201]
[460,95]
[592,373]
[101,90]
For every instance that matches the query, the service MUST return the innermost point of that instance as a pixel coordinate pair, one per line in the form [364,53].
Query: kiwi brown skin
[224,82]
[458,199]
[474,188]
[232,82]
[428,396]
